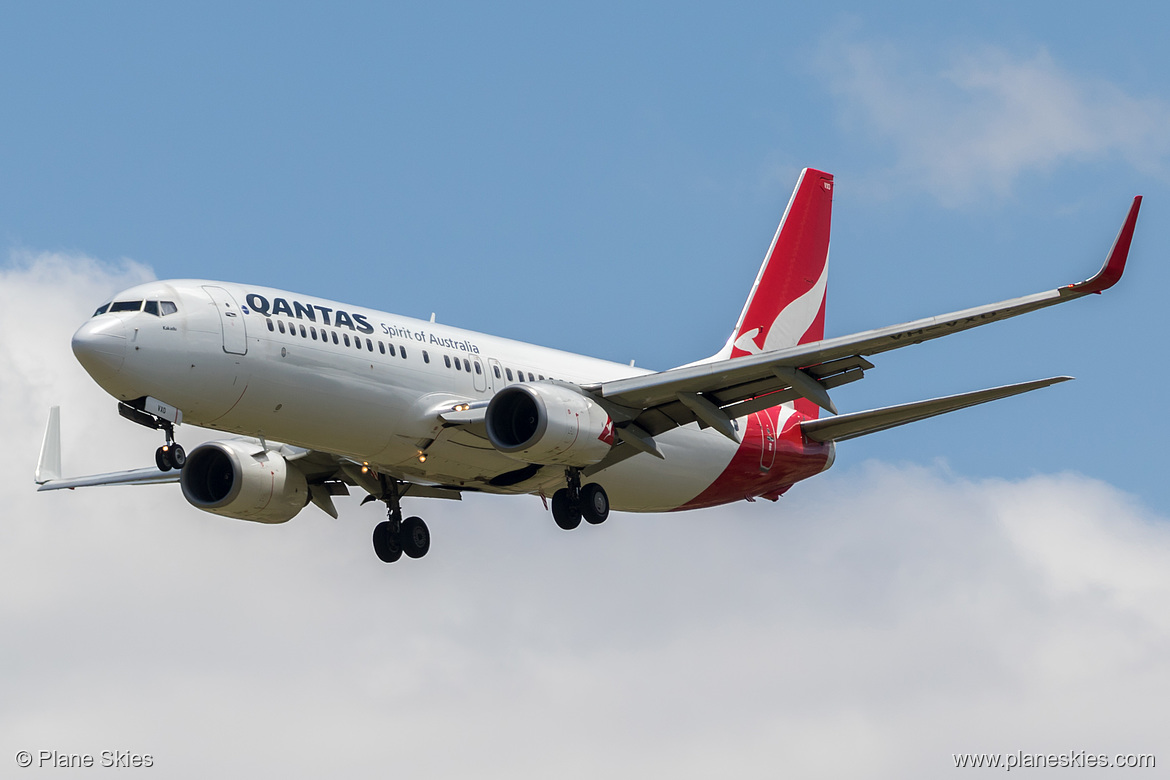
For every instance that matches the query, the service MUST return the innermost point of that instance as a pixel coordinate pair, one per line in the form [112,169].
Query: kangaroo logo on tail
[786,306]
[793,323]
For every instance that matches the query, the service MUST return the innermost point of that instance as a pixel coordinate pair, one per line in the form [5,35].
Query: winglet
[1115,262]
[49,466]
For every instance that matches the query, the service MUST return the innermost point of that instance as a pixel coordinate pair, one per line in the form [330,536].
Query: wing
[48,474]
[713,393]
[327,474]
[128,477]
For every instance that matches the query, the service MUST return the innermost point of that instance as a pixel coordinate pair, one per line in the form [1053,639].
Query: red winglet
[1115,262]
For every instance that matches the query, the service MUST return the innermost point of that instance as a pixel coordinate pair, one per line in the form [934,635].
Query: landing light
[461,407]
[422,457]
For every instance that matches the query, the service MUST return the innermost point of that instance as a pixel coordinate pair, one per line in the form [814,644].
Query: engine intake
[548,424]
[232,478]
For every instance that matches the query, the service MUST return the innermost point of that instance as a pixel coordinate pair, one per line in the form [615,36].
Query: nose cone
[100,347]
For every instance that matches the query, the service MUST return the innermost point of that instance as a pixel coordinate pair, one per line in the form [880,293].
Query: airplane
[321,397]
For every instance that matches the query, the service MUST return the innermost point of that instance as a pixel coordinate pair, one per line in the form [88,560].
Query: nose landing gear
[572,503]
[170,455]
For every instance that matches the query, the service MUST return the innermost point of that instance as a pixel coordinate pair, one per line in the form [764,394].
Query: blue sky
[606,179]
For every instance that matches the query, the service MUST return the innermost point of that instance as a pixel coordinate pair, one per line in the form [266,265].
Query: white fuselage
[367,385]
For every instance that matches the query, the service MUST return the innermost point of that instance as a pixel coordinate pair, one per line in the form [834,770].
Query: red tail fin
[787,303]
[786,306]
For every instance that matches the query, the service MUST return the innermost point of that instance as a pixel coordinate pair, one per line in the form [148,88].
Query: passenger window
[391,350]
[478,370]
[167,307]
[303,334]
[530,379]
[508,371]
[495,370]
[102,309]
[313,332]
[520,375]
[151,307]
[270,325]
[381,347]
[404,353]
[280,324]
[126,306]
[345,338]
[447,360]
[466,364]
[426,357]
[541,377]
[334,337]
[369,345]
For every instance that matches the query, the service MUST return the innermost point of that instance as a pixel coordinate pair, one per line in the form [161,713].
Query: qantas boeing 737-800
[322,397]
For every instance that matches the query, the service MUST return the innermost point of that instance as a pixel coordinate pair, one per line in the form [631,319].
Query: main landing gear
[571,504]
[395,536]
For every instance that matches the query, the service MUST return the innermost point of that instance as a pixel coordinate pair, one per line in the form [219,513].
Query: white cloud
[973,122]
[872,623]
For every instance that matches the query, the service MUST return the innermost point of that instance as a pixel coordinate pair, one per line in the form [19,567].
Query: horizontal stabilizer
[850,426]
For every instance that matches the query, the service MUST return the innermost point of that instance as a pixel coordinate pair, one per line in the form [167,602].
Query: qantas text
[309,311]
[343,319]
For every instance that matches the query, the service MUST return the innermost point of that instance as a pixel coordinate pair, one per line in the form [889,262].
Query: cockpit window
[126,306]
[157,308]
[102,309]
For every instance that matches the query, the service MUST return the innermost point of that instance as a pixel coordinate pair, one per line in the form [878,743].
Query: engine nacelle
[232,478]
[548,424]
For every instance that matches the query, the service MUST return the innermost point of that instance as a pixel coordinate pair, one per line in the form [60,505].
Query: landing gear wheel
[177,456]
[415,537]
[565,512]
[594,503]
[387,544]
[161,459]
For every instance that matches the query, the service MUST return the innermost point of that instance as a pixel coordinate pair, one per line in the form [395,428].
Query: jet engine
[549,425]
[236,478]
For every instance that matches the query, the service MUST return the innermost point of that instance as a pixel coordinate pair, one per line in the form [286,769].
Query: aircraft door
[768,443]
[231,320]
[496,376]
[479,374]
